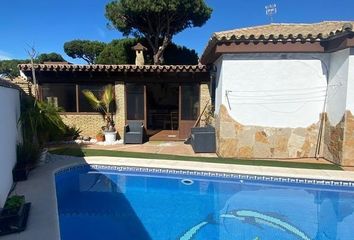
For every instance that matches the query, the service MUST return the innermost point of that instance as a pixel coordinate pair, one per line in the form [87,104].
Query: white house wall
[350,95]
[336,106]
[348,143]
[273,106]
[338,139]
[260,83]
[218,84]
[337,86]
[9,114]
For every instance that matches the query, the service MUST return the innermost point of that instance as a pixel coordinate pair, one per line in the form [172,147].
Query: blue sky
[48,24]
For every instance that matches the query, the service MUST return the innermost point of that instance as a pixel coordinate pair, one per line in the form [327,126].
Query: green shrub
[28,153]
[40,121]
[14,202]
[71,133]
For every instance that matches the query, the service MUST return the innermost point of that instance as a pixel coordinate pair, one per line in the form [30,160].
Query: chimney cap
[139,47]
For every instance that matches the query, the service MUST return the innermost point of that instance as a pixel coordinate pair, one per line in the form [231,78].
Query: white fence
[9,135]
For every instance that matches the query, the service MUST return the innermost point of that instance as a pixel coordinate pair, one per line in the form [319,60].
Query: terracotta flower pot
[100,138]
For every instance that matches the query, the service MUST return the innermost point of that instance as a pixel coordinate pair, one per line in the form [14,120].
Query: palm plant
[40,120]
[103,105]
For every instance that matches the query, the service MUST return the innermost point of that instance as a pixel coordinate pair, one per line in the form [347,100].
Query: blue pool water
[123,203]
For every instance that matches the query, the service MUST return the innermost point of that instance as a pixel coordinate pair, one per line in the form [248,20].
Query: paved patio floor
[173,148]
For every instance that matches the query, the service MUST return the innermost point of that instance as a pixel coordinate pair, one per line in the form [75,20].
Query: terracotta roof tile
[320,30]
[114,68]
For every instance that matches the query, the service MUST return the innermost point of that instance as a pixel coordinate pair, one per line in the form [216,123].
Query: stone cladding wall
[240,141]
[338,141]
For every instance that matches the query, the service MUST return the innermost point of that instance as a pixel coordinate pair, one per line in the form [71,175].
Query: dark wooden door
[189,104]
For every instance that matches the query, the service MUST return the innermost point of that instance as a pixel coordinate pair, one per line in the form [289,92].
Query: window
[135,101]
[61,95]
[190,102]
[84,105]
[70,97]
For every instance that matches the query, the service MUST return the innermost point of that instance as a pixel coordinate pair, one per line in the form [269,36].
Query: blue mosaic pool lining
[234,176]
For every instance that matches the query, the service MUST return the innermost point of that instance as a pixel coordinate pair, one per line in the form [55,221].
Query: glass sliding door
[189,108]
[135,101]
[162,101]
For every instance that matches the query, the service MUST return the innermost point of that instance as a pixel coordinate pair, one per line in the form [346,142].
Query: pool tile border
[237,176]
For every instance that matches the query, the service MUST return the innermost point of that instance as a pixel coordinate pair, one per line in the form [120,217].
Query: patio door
[188,107]
[135,102]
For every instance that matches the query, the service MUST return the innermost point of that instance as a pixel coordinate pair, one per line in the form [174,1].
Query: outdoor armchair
[134,133]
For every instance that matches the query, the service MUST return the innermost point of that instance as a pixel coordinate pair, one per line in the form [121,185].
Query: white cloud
[4,55]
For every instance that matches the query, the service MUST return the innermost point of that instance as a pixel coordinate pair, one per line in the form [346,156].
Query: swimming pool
[113,202]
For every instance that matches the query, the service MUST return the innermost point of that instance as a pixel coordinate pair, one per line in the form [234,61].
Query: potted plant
[71,133]
[13,217]
[105,106]
[27,155]
[100,137]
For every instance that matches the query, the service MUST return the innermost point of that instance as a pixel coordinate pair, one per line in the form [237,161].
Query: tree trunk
[158,60]
[158,55]
[35,85]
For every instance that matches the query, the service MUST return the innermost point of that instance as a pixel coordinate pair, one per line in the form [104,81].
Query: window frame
[144,102]
[77,99]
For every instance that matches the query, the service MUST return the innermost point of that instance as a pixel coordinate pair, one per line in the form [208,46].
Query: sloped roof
[114,68]
[322,30]
[283,32]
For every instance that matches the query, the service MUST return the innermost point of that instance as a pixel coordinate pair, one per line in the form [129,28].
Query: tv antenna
[271,10]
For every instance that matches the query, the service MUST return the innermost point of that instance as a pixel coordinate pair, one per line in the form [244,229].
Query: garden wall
[9,115]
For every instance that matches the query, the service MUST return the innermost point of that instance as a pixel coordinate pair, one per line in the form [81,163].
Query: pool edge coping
[317,174]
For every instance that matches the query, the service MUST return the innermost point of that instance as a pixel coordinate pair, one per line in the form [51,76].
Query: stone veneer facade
[332,147]
[205,99]
[89,124]
[120,104]
[348,144]
[338,141]
[237,140]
